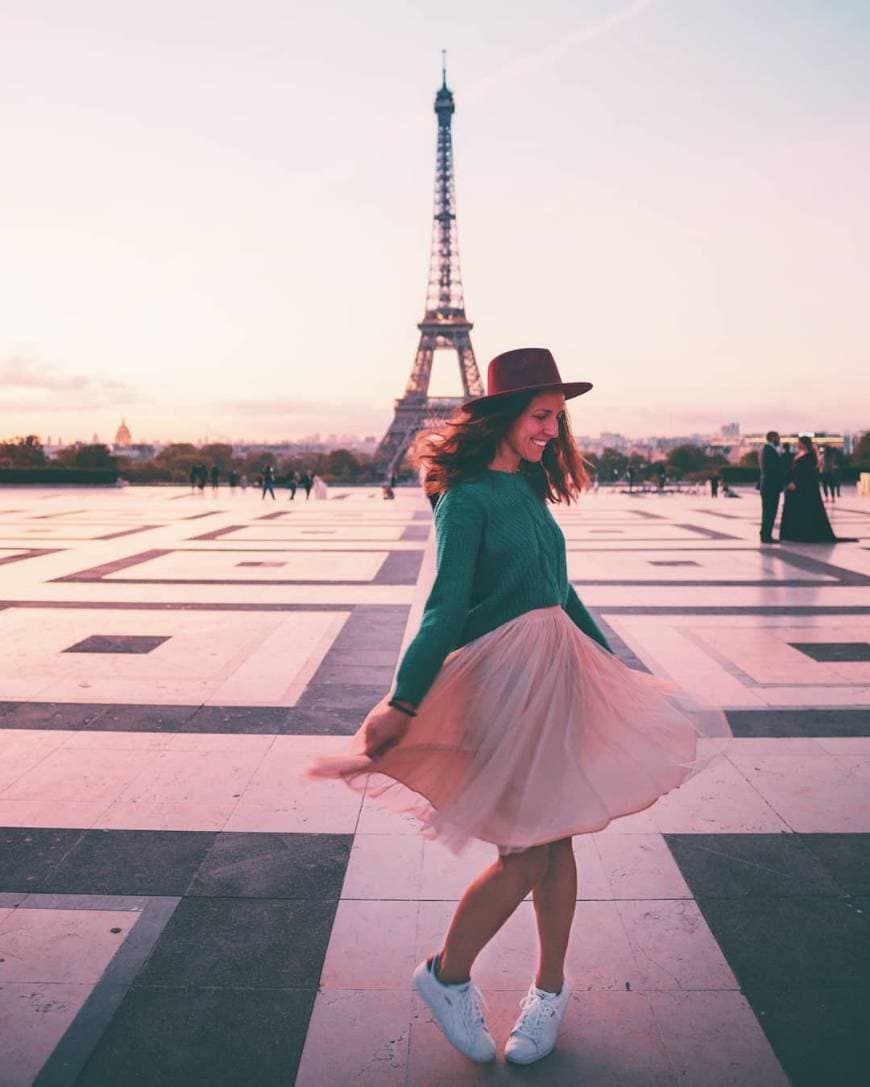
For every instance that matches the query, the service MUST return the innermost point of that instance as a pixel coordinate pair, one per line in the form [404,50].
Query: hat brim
[569,389]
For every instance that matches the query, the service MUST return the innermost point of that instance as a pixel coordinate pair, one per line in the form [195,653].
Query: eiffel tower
[444,323]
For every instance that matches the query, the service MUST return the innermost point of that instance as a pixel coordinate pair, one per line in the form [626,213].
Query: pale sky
[215,216]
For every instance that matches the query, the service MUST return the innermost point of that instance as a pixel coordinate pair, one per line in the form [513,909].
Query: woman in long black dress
[804,518]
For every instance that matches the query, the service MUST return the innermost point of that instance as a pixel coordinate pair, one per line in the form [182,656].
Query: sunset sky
[215,216]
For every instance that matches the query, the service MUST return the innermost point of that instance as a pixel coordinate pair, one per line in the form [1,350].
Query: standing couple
[804,519]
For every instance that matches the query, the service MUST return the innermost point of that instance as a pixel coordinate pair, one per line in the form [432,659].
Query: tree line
[173,463]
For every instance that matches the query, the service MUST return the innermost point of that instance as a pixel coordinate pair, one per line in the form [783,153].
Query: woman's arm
[459,524]
[582,619]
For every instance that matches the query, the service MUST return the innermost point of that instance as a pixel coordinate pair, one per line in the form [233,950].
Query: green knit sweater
[500,553]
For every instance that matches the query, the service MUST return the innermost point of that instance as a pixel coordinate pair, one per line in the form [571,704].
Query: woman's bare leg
[555,900]
[486,905]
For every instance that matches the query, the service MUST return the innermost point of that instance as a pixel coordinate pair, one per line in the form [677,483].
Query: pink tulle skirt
[529,734]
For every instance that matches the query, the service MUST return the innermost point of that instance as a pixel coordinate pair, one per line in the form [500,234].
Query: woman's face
[538,425]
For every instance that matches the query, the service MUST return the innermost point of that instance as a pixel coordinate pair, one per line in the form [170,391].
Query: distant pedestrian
[714,485]
[233,480]
[201,476]
[268,481]
[772,467]
[305,481]
[243,482]
[829,470]
[194,475]
[662,477]
[319,487]
[292,483]
[215,478]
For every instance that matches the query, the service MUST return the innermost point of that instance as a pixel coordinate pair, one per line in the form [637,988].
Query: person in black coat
[770,484]
[804,518]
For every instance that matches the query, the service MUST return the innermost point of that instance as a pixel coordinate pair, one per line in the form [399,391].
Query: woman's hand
[383,728]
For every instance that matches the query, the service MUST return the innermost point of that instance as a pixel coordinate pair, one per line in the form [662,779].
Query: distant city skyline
[215,220]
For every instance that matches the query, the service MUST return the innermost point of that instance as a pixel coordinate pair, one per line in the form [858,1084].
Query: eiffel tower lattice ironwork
[444,324]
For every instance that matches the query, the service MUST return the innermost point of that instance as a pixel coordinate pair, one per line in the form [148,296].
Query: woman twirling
[510,720]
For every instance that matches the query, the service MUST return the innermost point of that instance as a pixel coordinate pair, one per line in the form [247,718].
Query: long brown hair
[464,446]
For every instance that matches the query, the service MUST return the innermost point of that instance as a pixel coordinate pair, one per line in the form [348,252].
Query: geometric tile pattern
[207,916]
[118,643]
[834,651]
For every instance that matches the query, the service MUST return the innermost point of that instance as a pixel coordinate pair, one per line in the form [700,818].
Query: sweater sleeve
[459,523]
[582,619]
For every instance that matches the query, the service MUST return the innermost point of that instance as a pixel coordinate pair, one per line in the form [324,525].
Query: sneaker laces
[471,1009]
[536,1010]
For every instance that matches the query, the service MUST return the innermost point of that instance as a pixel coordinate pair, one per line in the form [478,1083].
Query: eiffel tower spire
[444,323]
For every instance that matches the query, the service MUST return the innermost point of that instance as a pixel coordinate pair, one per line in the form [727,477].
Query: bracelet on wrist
[393,704]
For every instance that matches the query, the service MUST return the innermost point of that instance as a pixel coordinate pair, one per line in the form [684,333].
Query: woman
[804,519]
[510,720]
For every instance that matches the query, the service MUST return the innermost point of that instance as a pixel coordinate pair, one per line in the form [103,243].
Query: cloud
[29,383]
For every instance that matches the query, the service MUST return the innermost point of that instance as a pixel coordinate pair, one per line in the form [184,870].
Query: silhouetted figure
[714,485]
[243,482]
[306,482]
[663,476]
[292,483]
[233,480]
[268,481]
[201,477]
[830,472]
[194,475]
[215,478]
[804,518]
[631,477]
[773,471]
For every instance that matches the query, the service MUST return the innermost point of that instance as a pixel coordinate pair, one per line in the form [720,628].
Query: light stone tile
[33,1019]
[373,1029]
[372,946]
[384,866]
[61,946]
[714,1038]
[719,800]
[640,866]
[673,947]
[821,795]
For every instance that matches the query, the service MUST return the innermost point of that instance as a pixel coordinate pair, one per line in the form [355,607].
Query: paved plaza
[177,907]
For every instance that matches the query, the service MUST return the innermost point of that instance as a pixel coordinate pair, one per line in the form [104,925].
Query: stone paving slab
[178,907]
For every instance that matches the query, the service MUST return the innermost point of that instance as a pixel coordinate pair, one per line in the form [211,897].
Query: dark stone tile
[242,943]
[310,866]
[133,718]
[6,707]
[814,722]
[672,562]
[321,722]
[736,865]
[131,862]
[416,532]
[820,1036]
[51,715]
[118,643]
[243,719]
[344,674]
[28,855]
[334,696]
[399,568]
[202,1037]
[845,856]
[792,943]
[363,657]
[270,565]
[834,651]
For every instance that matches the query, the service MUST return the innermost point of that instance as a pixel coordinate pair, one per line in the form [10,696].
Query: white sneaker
[534,1033]
[457,1012]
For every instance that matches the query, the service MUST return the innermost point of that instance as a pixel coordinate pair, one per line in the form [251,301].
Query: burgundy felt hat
[526,369]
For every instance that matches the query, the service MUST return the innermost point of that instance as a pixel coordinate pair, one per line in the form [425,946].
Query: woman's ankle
[442,971]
